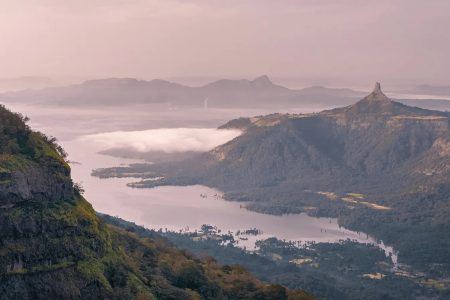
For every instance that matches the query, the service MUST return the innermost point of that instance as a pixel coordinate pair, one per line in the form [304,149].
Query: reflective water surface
[187,208]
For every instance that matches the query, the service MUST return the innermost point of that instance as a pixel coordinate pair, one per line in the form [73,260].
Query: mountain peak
[377,95]
[374,103]
[263,80]
[377,88]
[377,104]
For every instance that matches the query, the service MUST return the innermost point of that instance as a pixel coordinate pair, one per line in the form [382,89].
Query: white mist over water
[169,140]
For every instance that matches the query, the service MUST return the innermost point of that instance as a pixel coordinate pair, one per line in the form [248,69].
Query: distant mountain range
[258,93]
[381,166]
[27,82]
[425,89]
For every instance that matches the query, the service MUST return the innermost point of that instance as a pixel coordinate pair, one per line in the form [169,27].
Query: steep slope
[372,136]
[53,246]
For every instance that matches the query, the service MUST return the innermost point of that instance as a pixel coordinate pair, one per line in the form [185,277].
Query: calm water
[182,208]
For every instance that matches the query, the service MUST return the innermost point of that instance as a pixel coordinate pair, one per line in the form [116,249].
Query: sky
[329,42]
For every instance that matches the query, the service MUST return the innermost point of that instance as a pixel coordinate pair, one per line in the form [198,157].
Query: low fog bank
[69,124]
[167,140]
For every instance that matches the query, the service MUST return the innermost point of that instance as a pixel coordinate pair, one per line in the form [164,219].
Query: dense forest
[346,270]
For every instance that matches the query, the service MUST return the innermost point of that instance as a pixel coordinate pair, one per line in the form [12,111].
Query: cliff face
[33,183]
[46,228]
[55,249]
[53,246]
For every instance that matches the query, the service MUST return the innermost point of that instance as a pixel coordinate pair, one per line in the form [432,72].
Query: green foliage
[336,271]
[18,142]
[92,270]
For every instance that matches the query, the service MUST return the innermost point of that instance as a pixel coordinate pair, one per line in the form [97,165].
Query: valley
[224,150]
[317,217]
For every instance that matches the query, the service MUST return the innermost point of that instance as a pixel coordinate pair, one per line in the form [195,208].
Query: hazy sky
[331,41]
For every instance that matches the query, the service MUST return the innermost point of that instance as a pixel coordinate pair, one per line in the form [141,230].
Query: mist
[168,140]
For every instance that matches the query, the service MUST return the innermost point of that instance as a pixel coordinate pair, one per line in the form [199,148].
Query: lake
[187,208]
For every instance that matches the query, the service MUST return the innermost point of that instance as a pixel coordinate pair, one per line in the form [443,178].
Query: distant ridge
[26,82]
[258,93]
[261,82]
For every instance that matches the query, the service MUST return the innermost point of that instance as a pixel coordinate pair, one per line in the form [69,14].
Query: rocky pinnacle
[377,88]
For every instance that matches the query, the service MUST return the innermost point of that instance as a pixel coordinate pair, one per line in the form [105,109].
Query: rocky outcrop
[33,183]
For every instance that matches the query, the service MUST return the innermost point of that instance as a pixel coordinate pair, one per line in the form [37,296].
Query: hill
[380,166]
[53,246]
